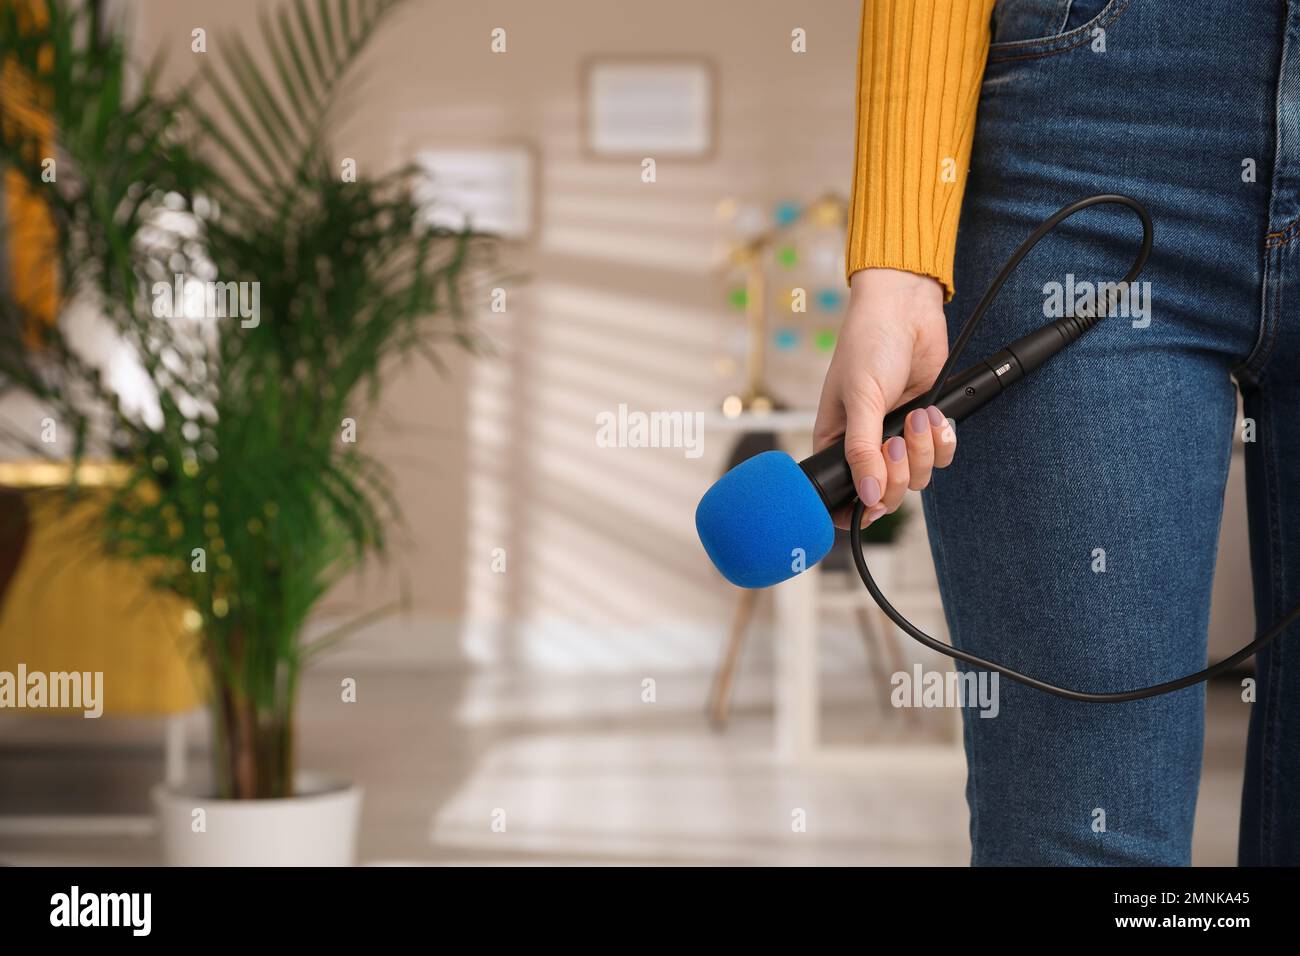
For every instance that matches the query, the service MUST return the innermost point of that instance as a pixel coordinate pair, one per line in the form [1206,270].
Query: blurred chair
[841,589]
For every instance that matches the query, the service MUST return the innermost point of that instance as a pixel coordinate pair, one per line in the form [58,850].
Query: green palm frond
[273,123]
[241,468]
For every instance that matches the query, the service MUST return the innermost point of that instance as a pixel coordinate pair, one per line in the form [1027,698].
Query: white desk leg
[797,704]
[798,707]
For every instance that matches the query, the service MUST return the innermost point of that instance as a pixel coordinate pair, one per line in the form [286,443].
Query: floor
[581,769]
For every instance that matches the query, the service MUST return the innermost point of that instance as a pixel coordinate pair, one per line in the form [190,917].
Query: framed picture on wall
[490,188]
[634,107]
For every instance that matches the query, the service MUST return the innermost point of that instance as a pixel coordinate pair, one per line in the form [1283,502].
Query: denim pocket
[1034,28]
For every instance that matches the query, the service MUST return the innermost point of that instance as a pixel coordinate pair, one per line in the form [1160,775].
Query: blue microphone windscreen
[763,521]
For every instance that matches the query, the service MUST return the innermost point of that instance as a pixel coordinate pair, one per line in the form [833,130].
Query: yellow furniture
[25,214]
[67,607]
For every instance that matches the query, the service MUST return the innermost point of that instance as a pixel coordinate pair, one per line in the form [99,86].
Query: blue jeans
[1075,534]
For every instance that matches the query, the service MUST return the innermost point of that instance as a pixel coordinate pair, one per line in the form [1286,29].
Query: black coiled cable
[855,539]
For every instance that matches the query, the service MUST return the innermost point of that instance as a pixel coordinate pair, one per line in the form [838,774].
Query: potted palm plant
[263,292]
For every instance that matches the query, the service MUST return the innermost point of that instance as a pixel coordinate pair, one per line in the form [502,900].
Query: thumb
[865,414]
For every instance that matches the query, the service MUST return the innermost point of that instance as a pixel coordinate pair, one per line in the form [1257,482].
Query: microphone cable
[963,337]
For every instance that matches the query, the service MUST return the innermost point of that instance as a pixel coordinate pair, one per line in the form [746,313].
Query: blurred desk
[797,731]
[798,604]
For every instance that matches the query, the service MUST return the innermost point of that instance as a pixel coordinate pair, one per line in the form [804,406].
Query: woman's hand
[890,350]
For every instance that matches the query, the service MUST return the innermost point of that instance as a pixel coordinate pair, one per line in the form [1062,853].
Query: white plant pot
[316,827]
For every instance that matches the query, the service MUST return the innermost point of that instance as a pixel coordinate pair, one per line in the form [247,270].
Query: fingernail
[918,422]
[936,416]
[874,513]
[870,491]
[896,448]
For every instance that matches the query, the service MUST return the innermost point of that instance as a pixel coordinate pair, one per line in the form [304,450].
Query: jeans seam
[1042,48]
[1283,234]
[1252,366]
[1065,17]
[968,737]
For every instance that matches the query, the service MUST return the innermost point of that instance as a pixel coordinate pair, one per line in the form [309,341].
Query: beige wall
[622,307]
[604,570]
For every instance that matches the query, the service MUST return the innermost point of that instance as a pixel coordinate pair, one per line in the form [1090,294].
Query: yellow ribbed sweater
[919,68]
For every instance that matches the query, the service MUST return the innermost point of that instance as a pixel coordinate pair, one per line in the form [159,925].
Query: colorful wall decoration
[785,275]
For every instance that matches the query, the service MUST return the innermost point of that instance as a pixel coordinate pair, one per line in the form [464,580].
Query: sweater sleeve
[919,68]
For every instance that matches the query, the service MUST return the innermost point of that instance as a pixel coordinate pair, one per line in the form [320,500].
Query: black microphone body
[964,393]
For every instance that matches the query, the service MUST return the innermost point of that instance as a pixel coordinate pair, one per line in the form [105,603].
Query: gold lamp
[752,255]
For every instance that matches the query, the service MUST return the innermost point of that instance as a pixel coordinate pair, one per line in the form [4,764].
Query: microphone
[769,518]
